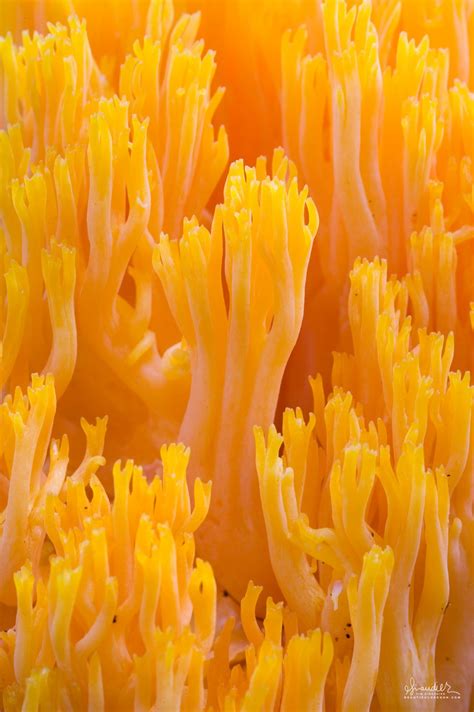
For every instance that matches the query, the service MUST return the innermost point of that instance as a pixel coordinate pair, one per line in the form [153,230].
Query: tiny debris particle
[348,635]
[114,619]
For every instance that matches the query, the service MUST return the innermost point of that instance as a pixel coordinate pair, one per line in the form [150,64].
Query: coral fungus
[236,337]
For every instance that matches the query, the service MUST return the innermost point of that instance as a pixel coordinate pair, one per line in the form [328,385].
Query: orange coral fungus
[383,481]
[238,350]
[236,411]
[103,194]
[375,144]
